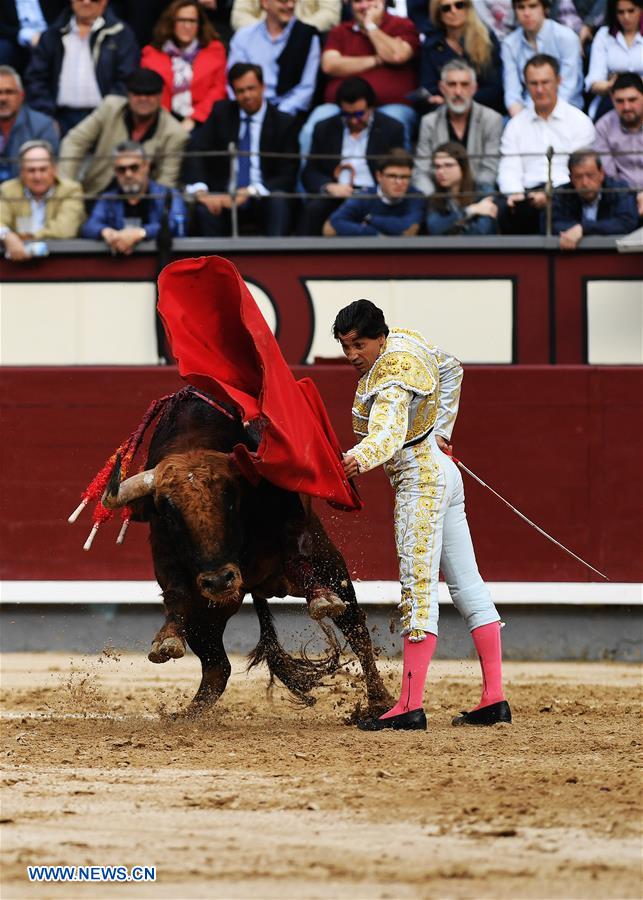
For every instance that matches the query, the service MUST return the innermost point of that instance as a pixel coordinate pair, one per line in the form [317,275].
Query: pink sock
[487,643]
[417,656]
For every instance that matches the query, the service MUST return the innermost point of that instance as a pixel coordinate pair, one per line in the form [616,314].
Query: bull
[215,537]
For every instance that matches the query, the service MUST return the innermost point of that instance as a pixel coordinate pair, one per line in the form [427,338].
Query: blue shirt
[370,213]
[556,40]
[110,212]
[31,20]
[253,44]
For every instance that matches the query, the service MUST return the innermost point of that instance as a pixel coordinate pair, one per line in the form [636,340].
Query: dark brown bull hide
[215,537]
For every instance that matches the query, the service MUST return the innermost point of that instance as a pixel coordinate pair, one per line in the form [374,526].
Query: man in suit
[592,202]
[353,140]
[460,119]
[256,127]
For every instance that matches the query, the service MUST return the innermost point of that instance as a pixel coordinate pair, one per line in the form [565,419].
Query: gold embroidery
[404,369]
[410,388]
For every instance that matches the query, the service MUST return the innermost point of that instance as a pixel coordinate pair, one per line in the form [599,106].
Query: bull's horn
[131,489]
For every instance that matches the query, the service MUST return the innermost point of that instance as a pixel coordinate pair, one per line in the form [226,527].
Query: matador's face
[361,352]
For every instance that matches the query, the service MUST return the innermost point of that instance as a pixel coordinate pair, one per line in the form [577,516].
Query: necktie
[243,177]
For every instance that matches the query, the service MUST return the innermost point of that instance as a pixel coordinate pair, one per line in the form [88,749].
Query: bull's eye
[166,508]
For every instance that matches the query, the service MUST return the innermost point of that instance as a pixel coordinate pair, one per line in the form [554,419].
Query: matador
[404,411]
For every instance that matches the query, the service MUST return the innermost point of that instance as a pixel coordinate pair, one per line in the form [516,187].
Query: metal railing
[233,154]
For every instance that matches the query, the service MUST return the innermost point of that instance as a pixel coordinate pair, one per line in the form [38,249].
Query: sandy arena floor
[264,799]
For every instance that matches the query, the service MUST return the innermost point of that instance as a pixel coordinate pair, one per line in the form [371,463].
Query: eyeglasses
[132,167]
[396,177]
[186,21]
[356,114]
[447,7]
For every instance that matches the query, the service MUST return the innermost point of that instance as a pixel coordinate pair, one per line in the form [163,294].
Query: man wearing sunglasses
[352,142]
[132,209]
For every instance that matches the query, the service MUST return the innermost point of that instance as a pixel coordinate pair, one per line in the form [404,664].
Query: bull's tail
[299,675]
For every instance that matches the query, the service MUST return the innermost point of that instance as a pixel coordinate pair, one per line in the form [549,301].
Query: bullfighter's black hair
[363,317]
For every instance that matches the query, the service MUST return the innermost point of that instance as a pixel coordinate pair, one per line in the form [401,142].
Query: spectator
[497,15]
[287,51]
[38,205]
[552,122]
[321,14]
[596,206]
[190,59]
[256,127]
[461,119]
[458,33]
[619,134]
[86,54]
[617,47]
[132,209]
[385,210]
[137,117]
[352,141]
[538,35]
[459,205]
[19,123]
[380,48]
[582,16]
[21,25]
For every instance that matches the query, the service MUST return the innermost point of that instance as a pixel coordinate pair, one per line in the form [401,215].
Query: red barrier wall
[562,443]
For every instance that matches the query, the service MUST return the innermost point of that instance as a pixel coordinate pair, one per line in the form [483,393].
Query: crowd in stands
[318,117]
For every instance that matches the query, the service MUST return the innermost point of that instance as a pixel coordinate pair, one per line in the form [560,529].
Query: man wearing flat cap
[137,117]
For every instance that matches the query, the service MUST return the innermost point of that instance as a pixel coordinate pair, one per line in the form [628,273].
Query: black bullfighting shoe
[486,715]
[414,720]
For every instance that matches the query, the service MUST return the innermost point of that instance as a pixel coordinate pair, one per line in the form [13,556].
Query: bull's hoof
[170,648]
[325,603]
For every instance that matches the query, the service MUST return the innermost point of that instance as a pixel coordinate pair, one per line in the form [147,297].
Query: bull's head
[196,496]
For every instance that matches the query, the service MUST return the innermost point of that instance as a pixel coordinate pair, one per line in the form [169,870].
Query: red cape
[223,345]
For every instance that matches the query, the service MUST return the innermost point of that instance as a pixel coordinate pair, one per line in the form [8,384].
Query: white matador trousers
[432,533]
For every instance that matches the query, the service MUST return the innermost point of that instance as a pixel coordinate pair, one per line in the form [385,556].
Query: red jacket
[208,77]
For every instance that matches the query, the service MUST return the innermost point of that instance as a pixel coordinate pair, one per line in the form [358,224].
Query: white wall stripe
[368,592]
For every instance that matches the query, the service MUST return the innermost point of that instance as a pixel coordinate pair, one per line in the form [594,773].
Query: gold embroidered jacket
[411,389]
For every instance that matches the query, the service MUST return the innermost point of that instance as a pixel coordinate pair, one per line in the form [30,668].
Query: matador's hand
[444,445]
[351,466]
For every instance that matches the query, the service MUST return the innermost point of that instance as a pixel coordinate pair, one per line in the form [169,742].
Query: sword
[473,475]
